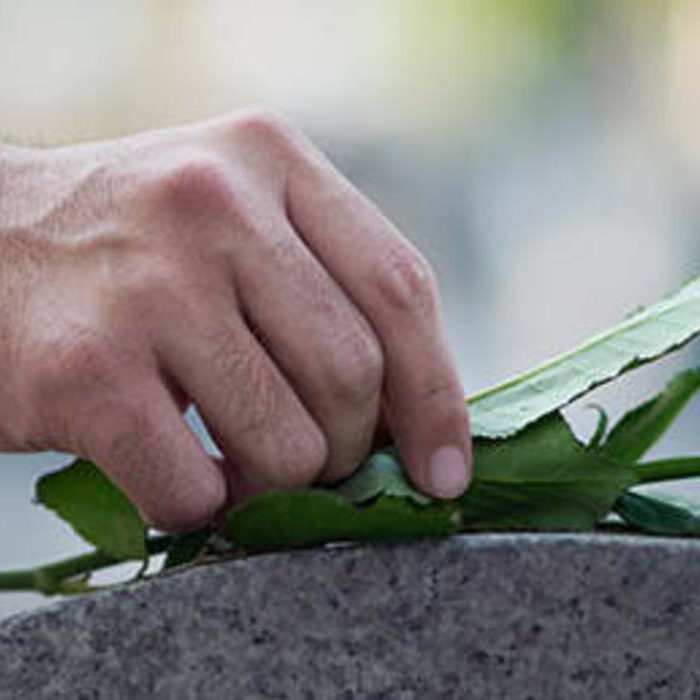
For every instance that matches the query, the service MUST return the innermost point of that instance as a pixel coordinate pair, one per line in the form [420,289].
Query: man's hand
[226,264]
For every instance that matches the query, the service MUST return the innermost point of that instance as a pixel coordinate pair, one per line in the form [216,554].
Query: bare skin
[229,265]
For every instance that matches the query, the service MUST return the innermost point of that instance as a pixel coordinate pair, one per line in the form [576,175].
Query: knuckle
[358,367]
[405,281]
[103,424]
[263,124]
[76,362]
[70,378]
[198,183]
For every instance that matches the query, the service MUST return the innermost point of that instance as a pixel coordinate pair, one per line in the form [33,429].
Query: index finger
[395,289]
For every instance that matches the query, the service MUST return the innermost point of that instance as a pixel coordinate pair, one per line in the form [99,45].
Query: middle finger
[318,338]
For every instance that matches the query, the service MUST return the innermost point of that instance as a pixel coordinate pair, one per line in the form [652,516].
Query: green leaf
[507,408]
[281,519]
[380,475]
[96,509]
[665,469]
[541,479]
[186,548]
[658,515]
[639,429]
[597,438]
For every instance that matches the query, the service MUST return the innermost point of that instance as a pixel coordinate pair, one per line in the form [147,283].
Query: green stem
[665,469]
[60,576]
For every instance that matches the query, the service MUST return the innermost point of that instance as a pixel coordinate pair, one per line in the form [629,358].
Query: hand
[226,264]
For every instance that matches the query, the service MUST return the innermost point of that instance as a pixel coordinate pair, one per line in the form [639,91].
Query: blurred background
[543,154]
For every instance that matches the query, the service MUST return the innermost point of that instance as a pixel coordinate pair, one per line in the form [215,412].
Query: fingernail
[447,472]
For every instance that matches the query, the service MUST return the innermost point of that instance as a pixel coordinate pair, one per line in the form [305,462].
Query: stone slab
[525,617]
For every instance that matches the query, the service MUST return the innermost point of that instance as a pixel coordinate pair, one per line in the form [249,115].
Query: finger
[394,289]
[325,348]
[143,444]
[252,413]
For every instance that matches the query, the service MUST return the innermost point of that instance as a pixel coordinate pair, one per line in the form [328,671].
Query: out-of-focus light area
[543,154]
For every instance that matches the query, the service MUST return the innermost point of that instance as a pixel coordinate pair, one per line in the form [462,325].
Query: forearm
[9,153]
[5,149]
[20,269]
[8,188]
[5,156]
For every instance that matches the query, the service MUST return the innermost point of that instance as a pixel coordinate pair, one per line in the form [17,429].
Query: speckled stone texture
[512,617]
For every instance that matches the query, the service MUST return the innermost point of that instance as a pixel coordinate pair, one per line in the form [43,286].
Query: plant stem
[665,469]
[60,576]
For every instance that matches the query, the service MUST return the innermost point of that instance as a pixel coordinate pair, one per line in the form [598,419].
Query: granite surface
[524,617]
